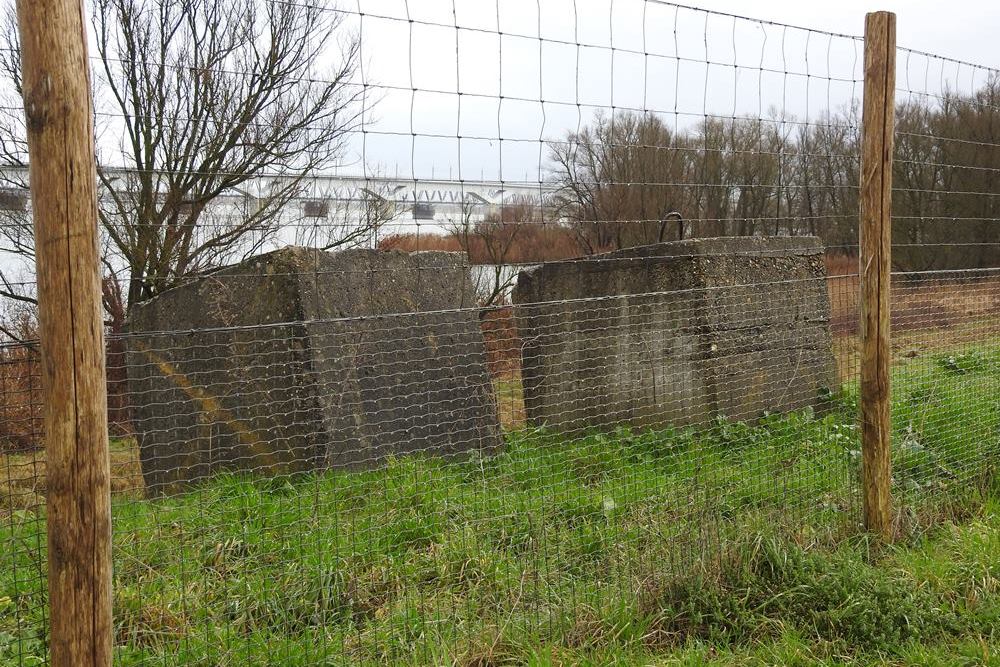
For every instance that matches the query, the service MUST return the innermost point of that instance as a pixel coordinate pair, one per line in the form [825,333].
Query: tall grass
[739,540]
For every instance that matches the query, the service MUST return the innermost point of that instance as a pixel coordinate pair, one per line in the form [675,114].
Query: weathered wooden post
[59,119]
[876,238]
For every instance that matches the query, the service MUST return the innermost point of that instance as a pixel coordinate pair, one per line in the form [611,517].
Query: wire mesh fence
[433,420]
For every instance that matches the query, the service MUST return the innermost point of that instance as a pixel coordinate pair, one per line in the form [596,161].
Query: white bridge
[436,200]
[334,200]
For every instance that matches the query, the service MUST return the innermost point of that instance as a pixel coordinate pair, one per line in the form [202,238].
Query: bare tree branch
[214,103]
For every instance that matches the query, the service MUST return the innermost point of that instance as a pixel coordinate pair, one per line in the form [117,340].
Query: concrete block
[301,359]
[675,333]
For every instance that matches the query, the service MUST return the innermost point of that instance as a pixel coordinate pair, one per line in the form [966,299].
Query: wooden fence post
[875,264]
[59,119]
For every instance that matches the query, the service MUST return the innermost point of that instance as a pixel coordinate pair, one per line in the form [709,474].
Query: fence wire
[595,324]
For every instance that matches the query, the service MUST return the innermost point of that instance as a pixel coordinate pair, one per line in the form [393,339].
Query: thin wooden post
[59,118]
[876,240]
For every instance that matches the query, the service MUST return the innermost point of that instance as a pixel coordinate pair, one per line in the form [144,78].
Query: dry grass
[22,477]
[918,303]
[510,400]
[927,316]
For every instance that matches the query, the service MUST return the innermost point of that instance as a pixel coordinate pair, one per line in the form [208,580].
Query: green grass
[737,543]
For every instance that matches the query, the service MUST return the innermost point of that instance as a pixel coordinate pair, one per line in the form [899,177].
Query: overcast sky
[559,62]
[962,29]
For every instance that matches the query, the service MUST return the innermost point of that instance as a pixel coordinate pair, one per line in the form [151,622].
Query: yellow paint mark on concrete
[209,404]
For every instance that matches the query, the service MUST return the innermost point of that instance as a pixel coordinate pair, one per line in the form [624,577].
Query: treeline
[630,179]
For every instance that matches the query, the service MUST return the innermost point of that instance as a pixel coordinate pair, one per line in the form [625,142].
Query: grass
[737,543]
[913,344]
[22,477]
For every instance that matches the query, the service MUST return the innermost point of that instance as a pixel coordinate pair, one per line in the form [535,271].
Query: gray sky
[632,54]
[588,56]
[962,29]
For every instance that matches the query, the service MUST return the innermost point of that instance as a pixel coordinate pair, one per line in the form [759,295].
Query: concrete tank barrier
[676,333]
[301,359]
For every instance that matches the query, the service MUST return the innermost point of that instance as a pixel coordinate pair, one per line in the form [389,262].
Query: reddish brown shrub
[20,398]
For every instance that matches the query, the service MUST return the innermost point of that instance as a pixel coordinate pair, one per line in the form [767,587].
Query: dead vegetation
[22,477]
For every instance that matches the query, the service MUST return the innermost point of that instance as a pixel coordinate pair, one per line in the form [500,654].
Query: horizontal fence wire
[586,467]
[562,318]
[575,482]
[945,429]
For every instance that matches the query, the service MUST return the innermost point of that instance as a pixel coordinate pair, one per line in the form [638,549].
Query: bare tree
[632,181]
[945,180]
[220,118]
[490,244]
[16,235]
[619,179]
